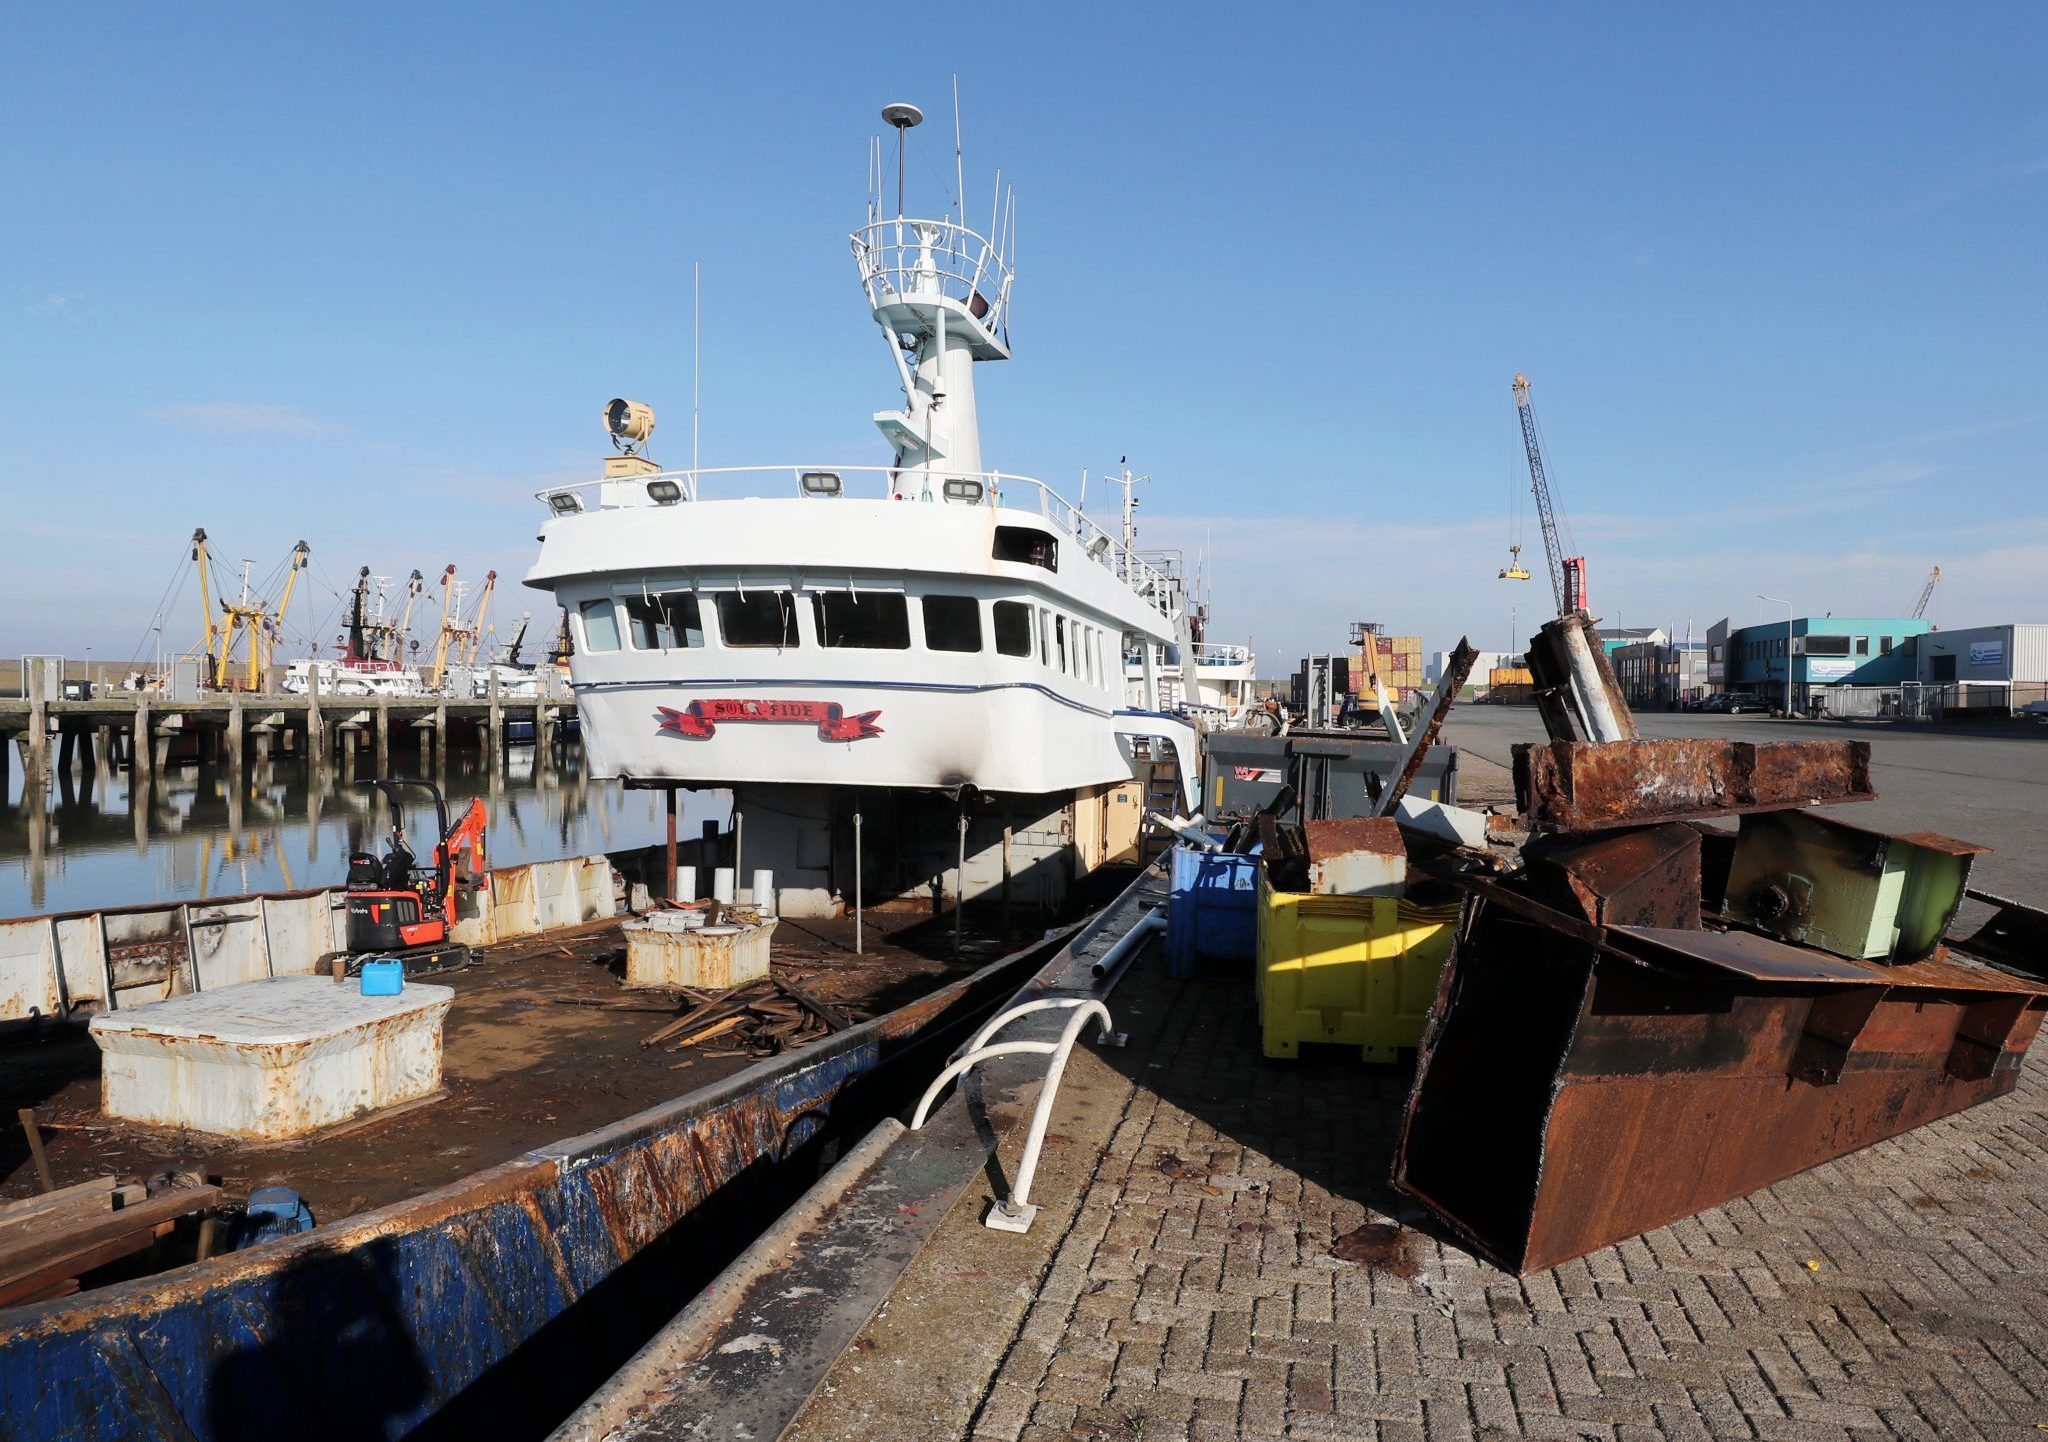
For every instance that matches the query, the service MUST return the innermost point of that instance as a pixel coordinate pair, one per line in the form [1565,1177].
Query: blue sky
[367,277]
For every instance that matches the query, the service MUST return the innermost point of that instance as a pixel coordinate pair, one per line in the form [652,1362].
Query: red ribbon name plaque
[701,718]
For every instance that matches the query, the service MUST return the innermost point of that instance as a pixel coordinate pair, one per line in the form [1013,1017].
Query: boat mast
[941,294]
[1127,483]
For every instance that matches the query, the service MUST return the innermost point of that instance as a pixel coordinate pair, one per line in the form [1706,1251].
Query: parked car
[1737,702]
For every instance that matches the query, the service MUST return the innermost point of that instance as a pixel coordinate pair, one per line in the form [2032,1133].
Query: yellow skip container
[1359,970]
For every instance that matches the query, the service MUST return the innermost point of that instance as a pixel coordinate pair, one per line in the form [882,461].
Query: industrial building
[1820,652]
[1996,669]
[1660,675]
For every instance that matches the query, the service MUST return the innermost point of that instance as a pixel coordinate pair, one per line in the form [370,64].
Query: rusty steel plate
[1757,958]
[1950,972]
[1379,834]
[1645,877]
[1580,786]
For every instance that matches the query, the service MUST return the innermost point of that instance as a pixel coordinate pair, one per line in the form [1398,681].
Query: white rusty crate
[270,1059]
[663,952]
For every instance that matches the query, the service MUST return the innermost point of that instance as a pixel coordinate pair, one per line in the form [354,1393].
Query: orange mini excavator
[399,906]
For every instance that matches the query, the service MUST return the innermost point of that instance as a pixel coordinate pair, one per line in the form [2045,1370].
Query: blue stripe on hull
[770,683]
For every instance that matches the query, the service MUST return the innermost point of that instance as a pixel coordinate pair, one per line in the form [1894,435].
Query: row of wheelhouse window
[850,620]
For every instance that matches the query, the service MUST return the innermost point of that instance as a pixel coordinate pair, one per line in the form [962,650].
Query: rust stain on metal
[1649,877]
[551,1245]
[1581,786]
[1378,834]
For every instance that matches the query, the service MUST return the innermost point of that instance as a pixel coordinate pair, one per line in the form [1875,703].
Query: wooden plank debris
[34,1131]
[761,1023]
[47,1252]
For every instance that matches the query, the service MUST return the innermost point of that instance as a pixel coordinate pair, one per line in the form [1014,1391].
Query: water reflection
[84,838]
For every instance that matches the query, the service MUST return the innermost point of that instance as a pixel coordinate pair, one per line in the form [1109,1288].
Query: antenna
[959,172]
[903,116]
[696,359]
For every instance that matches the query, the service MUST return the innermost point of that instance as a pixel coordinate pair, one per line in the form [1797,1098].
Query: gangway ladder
[1163,797]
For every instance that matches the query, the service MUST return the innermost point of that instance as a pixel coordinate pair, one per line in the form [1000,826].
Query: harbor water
[82,840]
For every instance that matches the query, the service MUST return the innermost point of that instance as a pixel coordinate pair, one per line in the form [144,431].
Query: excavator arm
[465,840]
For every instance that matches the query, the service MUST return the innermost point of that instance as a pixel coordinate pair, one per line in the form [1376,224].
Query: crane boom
[1926,593]
[1567,573]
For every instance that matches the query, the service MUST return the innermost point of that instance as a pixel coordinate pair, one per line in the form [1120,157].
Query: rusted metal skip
[1582,786]
[1578,1085]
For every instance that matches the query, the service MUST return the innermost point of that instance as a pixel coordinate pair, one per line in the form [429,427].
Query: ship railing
[1157,584]
[905,258]
[1215,653]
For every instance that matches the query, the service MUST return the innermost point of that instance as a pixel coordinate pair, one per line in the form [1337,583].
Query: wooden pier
[145,732]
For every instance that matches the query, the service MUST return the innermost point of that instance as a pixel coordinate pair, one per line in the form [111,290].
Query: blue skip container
[385,977]
[1212,917]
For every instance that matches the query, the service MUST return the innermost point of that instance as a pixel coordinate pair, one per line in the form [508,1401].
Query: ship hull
[1016,737]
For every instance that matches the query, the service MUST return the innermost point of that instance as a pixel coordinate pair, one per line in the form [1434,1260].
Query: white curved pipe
[1027,1168]
[1006,1048]
[1050,1003]
[1018,1209]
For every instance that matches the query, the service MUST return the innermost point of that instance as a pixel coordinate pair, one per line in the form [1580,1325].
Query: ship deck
[541,1042]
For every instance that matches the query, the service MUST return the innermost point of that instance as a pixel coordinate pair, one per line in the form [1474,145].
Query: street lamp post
[1779,600]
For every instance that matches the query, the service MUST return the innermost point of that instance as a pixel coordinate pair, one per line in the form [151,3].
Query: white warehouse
[2001,667]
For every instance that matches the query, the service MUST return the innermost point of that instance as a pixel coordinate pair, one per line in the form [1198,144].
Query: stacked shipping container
[1399,659]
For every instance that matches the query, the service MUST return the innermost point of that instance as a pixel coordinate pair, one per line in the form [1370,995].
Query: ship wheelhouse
[935,643]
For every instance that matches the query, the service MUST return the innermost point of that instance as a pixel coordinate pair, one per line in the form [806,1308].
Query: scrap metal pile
[1652,1014]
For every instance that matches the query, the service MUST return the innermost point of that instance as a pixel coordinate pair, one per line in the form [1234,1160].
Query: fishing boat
[930,642]
[372,660]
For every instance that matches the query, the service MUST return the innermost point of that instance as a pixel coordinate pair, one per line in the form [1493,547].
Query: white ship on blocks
[953,635]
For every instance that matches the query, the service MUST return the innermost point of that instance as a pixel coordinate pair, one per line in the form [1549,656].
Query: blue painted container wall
[1212,916]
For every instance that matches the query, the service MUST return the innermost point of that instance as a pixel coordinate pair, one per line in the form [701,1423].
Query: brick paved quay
[1898,1292]
[1180,1282]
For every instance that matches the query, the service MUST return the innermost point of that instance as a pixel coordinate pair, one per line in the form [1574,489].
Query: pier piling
[139,755]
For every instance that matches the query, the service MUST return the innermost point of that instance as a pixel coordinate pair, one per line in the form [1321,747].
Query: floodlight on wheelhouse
[664,492]
[969,491]
[629,423]
[565,503]
[819,483]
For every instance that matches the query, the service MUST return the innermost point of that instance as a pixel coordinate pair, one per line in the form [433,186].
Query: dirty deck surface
[1199,1271]
[532,1053]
